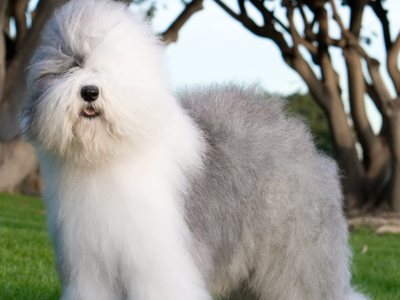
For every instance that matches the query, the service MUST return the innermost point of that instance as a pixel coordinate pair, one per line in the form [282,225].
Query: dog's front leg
[83,275]
[167,282]
[82,279]
[156,264]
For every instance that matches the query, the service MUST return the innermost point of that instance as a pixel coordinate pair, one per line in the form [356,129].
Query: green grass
[27,269]
[377,271]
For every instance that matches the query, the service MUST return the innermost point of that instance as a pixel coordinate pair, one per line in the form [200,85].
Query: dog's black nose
[90,93]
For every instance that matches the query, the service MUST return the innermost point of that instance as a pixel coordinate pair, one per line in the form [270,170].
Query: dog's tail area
[357,296]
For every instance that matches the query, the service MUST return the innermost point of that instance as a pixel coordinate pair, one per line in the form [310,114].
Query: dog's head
[96,83]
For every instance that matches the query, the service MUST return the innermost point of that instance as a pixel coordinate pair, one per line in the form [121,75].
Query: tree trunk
[3,6]
[15,87]
[17,158]
[394,128]
[347,157]
[366,178]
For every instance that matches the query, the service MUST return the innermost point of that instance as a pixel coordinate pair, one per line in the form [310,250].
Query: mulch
[384,223]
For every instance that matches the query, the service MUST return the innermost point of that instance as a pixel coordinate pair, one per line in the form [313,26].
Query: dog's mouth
[90,112]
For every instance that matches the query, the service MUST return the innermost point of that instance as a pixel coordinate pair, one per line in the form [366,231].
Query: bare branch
[242,7]
[392,48]
[297,39]
[372,93]
[357,89]
[18,9]
[373,65]
[292,29]
[308,32]
[228,10]
[383,94]
[381,13]
[340,43]
[303,15]
[316,87]
[356,81]
[3,7]
[15,86]
[356,15]
[392,63]
[297,62]
[267,31]
[268,16]
[251,25]
[323,59]
[351,39]
[171,34]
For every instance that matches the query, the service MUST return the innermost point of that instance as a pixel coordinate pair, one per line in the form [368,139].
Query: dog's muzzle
[90,93]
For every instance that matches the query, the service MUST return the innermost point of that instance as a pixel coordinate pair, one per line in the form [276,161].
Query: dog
[213,192]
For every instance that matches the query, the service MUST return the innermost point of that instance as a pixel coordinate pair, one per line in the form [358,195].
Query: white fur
[124,207]
[111,183]
[120,226]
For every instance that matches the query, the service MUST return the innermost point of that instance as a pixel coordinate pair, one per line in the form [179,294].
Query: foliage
[27,269]
[306,106]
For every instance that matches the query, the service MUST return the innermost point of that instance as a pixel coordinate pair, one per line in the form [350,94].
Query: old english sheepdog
[215,192]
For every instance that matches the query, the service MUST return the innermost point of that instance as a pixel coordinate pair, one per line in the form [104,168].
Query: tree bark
[171,34]
[3,7]
[331,102]
[18,9]
[365,179]
[395,150]
[15,86]
[17,158]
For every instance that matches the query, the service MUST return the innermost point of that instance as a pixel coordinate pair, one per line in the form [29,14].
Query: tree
[17,158]
[372,181]
[314,116]
[18,163]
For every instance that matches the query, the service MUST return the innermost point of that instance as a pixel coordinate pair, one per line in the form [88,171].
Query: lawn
[27,270]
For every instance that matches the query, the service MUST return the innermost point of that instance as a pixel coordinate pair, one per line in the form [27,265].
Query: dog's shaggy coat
[153,198]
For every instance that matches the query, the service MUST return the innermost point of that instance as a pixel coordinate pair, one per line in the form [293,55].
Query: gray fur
[264,213]
[267,211]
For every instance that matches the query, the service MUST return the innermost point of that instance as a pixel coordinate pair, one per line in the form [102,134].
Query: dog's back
[268,206]
[119,154]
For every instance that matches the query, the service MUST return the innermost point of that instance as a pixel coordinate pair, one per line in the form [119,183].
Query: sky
[213,47]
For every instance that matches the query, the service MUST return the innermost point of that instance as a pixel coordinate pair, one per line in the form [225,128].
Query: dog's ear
[36,91]
[26,117]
